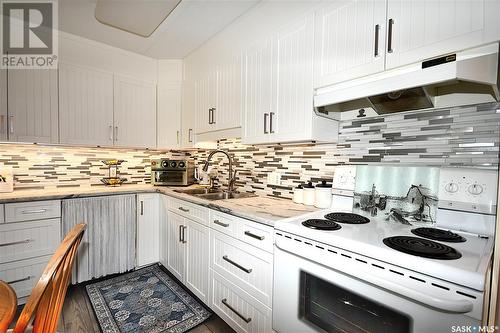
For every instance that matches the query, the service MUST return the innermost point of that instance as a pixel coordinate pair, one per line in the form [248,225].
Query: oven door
[169,177]
[309,297]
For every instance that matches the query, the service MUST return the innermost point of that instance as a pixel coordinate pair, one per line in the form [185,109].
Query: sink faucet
[231,176]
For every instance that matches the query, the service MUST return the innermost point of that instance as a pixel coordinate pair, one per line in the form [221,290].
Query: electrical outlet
[274,178]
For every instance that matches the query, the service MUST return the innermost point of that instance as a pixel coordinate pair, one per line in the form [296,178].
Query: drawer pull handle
[246,320]
[20,280]
[222,224]
[249,234]
[33,211]
[18,242]
[185,210]
[246,270]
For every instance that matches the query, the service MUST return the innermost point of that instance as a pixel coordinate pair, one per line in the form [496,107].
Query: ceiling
[189,25]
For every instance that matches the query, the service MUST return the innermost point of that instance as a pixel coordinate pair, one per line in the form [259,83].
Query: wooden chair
[44,305]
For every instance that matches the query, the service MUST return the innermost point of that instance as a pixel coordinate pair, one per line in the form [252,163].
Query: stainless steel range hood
[466,77]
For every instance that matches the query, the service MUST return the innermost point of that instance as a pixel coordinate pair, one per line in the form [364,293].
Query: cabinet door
[229,101]
[3,104]
[134,113]
[260,88]
[85,106]
[197,255]
[350,40]
[188,115]
[32,105]
[425,29]
[176,254]
[205,91]
[168,125]
[148,229]
[292,117]
[163,202]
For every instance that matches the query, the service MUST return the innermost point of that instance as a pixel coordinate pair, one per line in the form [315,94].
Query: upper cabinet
[187,115]
[218,97]
[134,113]
[279,89]
[168,121]
[350,40]
[85,106]
[32,105]
[418,30]
[3,104]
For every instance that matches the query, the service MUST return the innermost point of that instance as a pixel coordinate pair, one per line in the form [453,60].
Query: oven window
[335,309]
[170,177]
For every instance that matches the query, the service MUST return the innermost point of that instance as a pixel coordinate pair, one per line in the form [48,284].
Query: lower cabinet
[148,229]
[187,253]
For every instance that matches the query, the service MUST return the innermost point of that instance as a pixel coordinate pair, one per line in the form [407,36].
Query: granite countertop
[265,210]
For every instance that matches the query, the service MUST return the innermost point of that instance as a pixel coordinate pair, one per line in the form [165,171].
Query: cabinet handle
[33,211]
[2,123]
[116,133]
[110,132]
[184,234]
[177,137]
[11,124]
[377,31]
[190,135]
[180,233]
[246,270]
[29,240]
[213,115]
[245,319]
[271,129]
[249,234]
[210,116]
[389,38]
[185,210]
[265,123]
[142,207]
[20,280]
[225,225]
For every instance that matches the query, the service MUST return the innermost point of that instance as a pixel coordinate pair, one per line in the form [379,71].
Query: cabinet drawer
[25,240]
[33,210]
[191,211]
[225,223]
[242,312]
[22,275]
[256,234]
[244,265]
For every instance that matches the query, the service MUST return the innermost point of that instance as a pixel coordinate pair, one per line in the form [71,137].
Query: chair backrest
[8,305]
[47,298]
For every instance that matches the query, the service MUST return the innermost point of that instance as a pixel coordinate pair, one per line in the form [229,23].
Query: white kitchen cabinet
[148,228]
[196,240]
[134,113]
[176,251]
[32,105]
[350,40]
[259,92]
[188,115]
[279,89]
[229,106]
[163,202]
[85,106]
[205,95]
[3,104]
[168,121]
[418,30]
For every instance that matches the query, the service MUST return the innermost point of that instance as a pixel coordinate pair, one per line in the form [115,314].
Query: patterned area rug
[146,300]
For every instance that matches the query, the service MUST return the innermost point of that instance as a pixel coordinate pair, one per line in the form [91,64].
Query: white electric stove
[379,274]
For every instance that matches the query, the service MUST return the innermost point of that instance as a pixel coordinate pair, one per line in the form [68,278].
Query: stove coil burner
[422,247]
[439,235]
[348,218]
[321,224]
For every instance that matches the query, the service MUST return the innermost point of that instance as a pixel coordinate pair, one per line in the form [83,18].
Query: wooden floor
[78,316]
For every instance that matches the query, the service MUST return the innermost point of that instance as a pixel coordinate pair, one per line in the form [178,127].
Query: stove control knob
[182,164]
[475,189]
[451,187]
[173,164]
[164,163]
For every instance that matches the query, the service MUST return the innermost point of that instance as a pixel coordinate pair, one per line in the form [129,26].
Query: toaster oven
[172,172]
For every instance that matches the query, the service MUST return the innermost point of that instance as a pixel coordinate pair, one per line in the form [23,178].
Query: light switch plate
[274,178]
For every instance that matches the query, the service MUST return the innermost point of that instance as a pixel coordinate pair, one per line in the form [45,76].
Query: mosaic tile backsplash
[461,137]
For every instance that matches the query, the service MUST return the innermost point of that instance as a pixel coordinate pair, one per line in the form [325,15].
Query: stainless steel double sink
[215,193]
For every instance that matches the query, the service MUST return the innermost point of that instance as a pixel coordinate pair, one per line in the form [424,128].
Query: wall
[456,137]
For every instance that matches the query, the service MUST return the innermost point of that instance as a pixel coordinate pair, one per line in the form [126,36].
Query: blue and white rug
[146,300]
